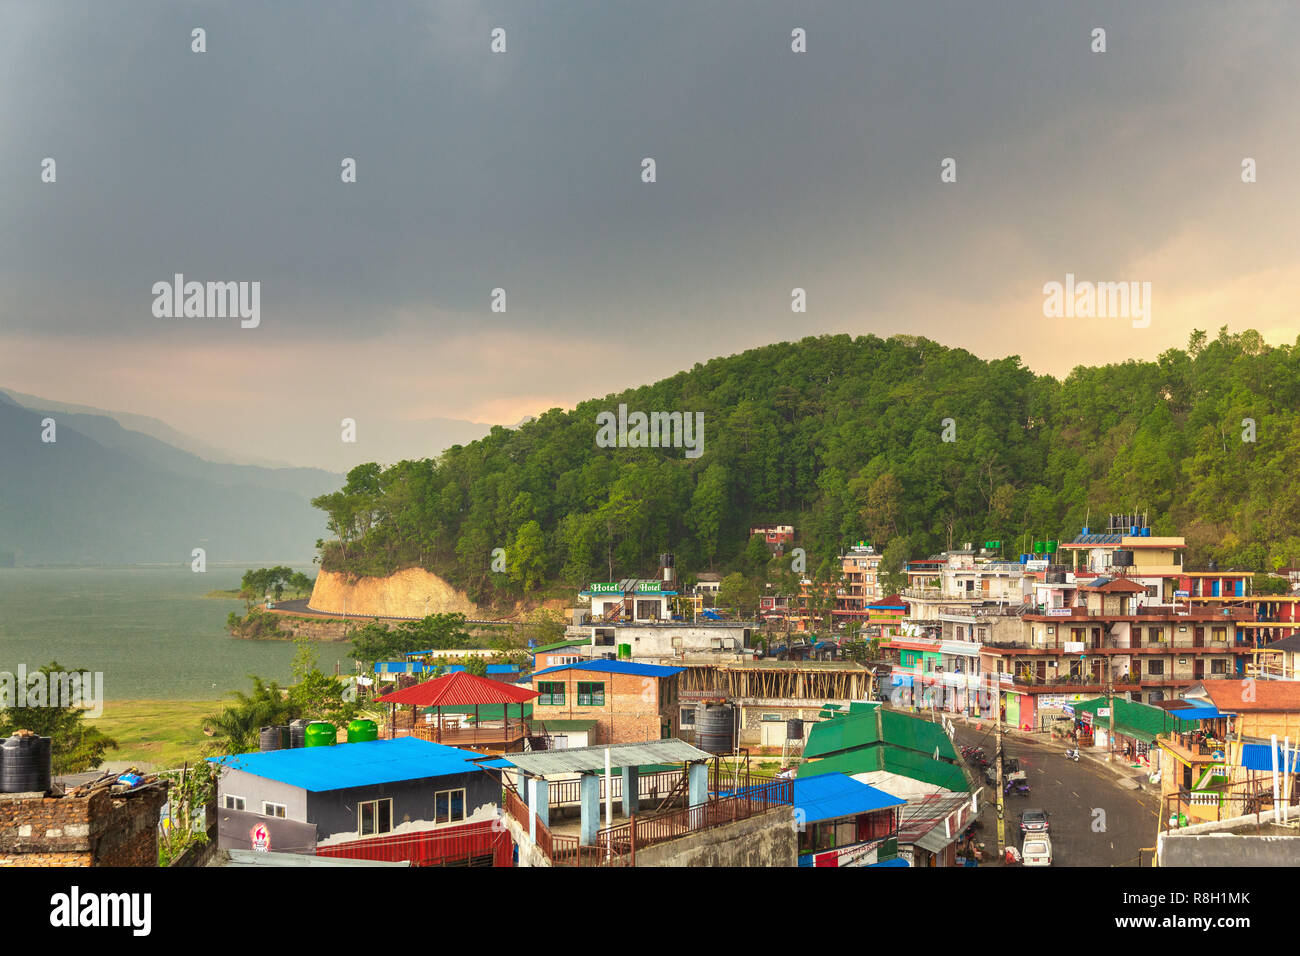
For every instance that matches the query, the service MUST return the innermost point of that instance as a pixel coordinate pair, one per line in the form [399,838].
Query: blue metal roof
[829,796]
[1198,713]
[1260,757]
[417,667]
[615,667]
[896,861]
[341,766]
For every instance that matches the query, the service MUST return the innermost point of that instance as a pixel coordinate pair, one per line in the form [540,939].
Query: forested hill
[843,438]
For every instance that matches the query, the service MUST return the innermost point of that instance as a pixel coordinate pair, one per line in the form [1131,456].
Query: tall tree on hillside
[708,509]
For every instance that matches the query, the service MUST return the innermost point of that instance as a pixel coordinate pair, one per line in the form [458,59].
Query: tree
[235,728]
[893,565]
[527,563]
[476,665]
[739,593]
[74,746]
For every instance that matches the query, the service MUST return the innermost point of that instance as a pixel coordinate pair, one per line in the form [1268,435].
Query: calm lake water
[149,630]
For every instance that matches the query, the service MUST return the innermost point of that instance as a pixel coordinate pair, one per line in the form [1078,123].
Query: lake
[150,631]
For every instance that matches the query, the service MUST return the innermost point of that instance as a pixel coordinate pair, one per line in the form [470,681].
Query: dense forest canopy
[844,439]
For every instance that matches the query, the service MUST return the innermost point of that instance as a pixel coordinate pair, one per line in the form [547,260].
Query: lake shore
[156,734]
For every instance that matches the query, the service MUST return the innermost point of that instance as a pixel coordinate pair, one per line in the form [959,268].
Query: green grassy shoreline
[163,733]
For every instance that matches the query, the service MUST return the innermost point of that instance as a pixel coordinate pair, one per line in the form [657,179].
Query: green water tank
[1040,547]
[360,730]
[321,733]
[1051,547]
[625,652]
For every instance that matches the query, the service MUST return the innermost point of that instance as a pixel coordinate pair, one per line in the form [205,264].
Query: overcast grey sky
[521,170]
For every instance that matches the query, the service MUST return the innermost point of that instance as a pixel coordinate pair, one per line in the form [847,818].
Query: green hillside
[843,438]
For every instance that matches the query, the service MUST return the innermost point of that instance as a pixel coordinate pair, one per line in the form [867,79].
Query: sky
[522,170]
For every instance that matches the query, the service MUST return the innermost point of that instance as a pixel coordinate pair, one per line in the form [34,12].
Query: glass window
[591,693]
[374,817]
[449,806]
[273,809]
[550,693]
[234,803]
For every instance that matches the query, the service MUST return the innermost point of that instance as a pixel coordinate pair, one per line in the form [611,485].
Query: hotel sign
[646,587]
[605,589]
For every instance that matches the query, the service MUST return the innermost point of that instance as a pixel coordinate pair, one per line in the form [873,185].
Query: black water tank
[714,726]
[297,733]
[794,729]
[25,764]
[1122,559]
[270,738]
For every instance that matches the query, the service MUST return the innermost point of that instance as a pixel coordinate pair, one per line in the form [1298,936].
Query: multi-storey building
[1117,622]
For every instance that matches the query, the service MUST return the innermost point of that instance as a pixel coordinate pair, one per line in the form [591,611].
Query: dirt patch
[412,593]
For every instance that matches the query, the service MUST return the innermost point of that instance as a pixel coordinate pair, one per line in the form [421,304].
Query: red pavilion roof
[459,690]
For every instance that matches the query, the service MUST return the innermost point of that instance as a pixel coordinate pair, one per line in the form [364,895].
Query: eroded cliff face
[412,593]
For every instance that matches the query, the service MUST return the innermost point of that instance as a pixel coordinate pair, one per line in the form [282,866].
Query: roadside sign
[260,837]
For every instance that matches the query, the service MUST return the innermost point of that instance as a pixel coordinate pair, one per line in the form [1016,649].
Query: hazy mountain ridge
[104,494]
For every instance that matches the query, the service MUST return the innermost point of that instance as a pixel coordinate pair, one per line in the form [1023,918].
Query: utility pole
[1110,706]
[997,759]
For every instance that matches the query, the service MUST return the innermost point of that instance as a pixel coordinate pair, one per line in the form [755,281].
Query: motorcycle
[1072,754]
[1017,788]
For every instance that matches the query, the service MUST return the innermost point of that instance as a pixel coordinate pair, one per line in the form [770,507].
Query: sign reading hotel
[645,587]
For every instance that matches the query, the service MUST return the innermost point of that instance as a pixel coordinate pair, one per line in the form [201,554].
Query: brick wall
[100,830]
[635,707]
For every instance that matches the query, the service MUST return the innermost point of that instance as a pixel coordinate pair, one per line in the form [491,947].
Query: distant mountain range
[126,489]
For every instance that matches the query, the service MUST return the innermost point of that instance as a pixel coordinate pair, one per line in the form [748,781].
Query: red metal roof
[459,690]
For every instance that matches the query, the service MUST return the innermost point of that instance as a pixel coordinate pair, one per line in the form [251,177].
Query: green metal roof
[1139,721]
[877,725]
[563,725]
[560,644]
[890,759]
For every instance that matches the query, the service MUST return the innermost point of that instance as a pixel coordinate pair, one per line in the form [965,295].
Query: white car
[1036,850]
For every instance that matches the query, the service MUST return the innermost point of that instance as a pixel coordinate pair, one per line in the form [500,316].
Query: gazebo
[461,690]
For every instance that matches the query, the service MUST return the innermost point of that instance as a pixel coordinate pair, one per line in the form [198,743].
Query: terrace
[692,800]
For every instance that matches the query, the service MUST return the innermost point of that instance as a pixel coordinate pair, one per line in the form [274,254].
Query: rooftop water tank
[25,763]
[273,738]
[321,733]
[297,733]
[714,727]
[1085,530]
[794,729]
[361,730]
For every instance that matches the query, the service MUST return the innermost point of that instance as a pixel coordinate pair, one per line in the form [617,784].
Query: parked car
[1036,850]
[1034,821]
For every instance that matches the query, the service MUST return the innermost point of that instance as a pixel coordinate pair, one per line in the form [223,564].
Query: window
[550,692]
[1155,668]
[273,809]
[591,693]
[374,817]
[234,803]
[449,806]
[687,717]
[1218,667]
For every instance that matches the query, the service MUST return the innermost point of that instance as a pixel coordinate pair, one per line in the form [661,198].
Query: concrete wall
[763,841]
[1232,843]
[335,811]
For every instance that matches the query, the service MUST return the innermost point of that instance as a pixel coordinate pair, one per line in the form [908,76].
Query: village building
[629,701]
[672,810]
[844,822]
[394,799]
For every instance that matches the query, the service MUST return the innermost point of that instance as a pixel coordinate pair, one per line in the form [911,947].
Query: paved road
[1095,821]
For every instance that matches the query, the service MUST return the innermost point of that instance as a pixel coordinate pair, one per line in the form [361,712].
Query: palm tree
[236,728]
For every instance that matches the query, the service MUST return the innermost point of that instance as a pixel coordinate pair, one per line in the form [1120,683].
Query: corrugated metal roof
[1260,757]
[1139,721]
[615,667]
[590,759]
[457,690]
[560,644]
[1197,713]
[319,769]
[874,726]
[905,763]
[833,795]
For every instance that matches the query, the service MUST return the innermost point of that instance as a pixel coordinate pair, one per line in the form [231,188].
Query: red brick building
[630,702]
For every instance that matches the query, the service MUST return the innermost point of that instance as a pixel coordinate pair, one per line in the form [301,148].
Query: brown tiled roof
[1236,696]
